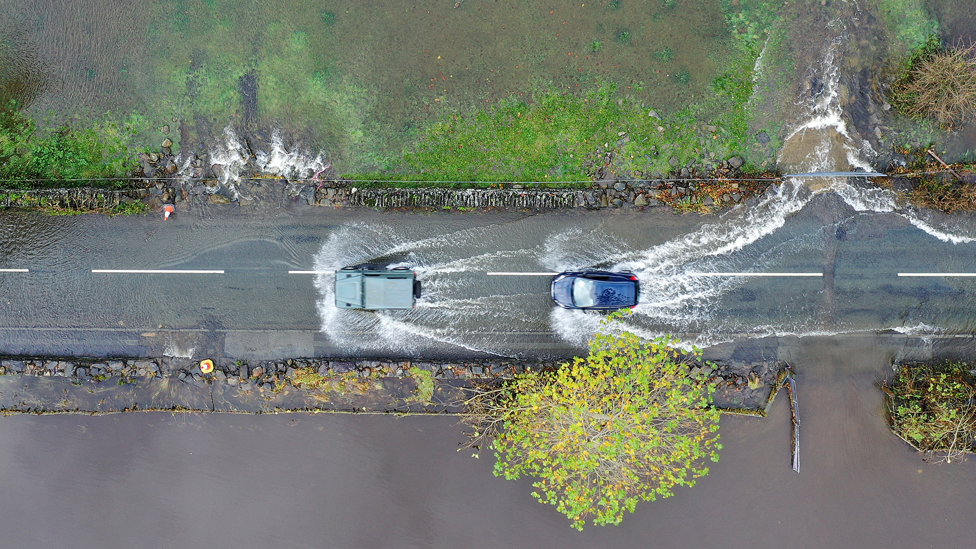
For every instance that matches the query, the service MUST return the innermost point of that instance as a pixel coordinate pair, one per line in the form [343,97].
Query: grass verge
[63,156]
[926,182]
[557,137]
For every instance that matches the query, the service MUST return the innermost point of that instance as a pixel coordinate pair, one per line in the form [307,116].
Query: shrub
[939,83]
[933,408]
[63,156]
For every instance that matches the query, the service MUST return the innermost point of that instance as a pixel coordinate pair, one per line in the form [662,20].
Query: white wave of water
[185,170]
[946,231]
[294,163]
[231,158]
[175,351]
[451,311]
[463,309]
[942,227]
[671,294]
[735,231]
[448,312]
[917,329]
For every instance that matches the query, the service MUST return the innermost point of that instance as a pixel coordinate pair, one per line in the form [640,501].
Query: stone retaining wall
[65,384]
[276,192]
[601,195]
[195,182]
[620,194]
[81,198]
[452,198]
[257,374]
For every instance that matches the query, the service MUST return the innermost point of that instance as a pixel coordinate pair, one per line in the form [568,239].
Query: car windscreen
[584,292]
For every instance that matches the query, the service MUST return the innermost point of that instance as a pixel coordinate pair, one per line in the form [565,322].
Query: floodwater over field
[356,83]
[300,481]
[355,79]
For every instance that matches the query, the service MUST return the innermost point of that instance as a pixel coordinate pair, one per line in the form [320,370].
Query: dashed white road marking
[520,274]
[758,274]
[939,274]
[14,270]
[156,271]
[311,272]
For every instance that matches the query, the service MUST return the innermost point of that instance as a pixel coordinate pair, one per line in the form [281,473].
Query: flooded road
[868,264]
[157,480]
[324,481]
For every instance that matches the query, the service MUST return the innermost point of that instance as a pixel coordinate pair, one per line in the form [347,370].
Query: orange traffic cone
[167,210]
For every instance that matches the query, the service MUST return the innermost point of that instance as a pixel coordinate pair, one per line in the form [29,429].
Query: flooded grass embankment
[376,90]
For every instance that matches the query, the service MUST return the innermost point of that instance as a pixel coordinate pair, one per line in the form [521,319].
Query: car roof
[611,290]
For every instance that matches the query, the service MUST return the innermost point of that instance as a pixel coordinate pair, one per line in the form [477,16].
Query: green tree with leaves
[627,423]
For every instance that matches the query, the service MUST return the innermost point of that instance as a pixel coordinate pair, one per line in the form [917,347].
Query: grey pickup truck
[376,288]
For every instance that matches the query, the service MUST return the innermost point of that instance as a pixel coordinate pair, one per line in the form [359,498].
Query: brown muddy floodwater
[355,79]
[295,480]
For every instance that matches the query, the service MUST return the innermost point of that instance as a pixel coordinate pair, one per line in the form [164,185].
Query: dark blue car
[595,290]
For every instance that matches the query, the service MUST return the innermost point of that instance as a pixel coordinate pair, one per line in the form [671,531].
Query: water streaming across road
[158,480]
[675,297]
[839,234]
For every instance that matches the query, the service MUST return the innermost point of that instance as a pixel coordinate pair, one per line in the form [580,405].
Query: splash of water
[462,309]
[822,143]
[941,226]
[175,351]
[448,314]
[231,158]
[674,299]
[293,163]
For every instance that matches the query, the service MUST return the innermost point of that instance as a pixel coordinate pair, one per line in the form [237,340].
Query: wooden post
[946,166]
[794,416]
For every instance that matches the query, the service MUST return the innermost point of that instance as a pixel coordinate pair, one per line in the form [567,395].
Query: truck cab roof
[375,289]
